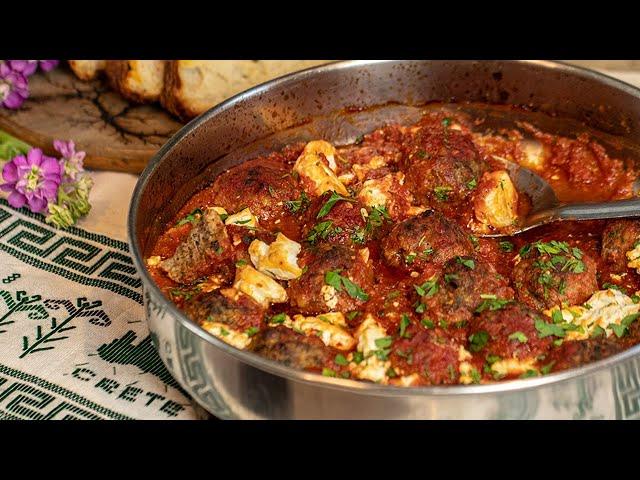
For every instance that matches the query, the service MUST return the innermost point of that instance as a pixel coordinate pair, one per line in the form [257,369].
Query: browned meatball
[260,185]
[433,353]
[441,165]
[508,332]
[553,273]
[462,288]
[228,306]
[206,247]
[341,224]
[310,294]
[573,354]
[293,349]
[618,238]
[424,239]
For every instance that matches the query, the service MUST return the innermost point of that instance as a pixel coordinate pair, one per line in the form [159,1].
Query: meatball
[618,238]
[346,225]
[424,239]
[261,185]
[574,354]
[294,350]
[227,306]
[432,353]
[508,332]
[441,165]
[461,288]
[206,246]
[553,273]
[310,294]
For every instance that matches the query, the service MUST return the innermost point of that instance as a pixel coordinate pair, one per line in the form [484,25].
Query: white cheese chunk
[371,368]
[513,366]
[496,203]
[329,327]
[262,288]
[634,257]
[222,331]
[154,260]
[406,380]
[243,218]
[322,178]
[279,259]
[603,309]
[328,150]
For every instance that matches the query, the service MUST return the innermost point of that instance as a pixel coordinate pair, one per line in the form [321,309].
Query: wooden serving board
[116,134]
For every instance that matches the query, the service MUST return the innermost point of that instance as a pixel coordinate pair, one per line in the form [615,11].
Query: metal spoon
[545,207]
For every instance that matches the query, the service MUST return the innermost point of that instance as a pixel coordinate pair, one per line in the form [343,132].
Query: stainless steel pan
[234,384]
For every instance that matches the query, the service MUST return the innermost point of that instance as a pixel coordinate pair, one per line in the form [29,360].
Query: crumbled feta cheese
[222,331]
[371,368]
[154,260]
[262,288]
[496,203]
[329,327]
[243,218]
[312,167]
[279,259]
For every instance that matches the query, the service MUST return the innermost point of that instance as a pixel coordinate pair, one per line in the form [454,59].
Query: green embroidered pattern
[104,263]
[21,302]
[28,397]
[143,355]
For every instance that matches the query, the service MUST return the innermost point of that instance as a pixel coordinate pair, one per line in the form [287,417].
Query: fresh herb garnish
[611,286]
[300,205]
[547,329]
[427,322]
[333,199]
[478,340]
[341,360]
[621,330]
[506,246]
[492,303]
[471,184]
[321,230]
[519,336]
[327,372]
[279,318]
[467,262]
[251,331]
[428,288]
[442,193]
[376,218]
[241,263]
[404,323]
[192,217]
[338,281]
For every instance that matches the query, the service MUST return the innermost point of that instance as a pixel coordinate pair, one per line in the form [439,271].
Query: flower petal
[37,204]
[50,166]
[10,172]
[16,200]
[34,157]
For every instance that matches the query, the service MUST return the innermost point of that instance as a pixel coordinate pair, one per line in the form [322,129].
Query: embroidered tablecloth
[73,339]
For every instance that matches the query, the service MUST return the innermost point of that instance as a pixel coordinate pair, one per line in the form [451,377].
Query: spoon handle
[598,210]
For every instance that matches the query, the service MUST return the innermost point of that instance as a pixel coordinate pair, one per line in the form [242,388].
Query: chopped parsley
[352,315]
[376,218]
[547,329]
[359,235]
[298,206]
[529,373]
[240,263]
[428,288]
[272,191]
[442,193]
[491,303]
[474,241]
[478,340]
[251,331]
[471,184]
[359,139]
[192,217]
[357,357]
[506,246]
[475,376]
[519,336]
[467,262]
[611,286]
[546,369]
[333,199]
[338,281]
[420,307]
[391,373]
[427,323]
[327,372]
[279,318]
[341,360]
[446,122]
[621,330]
[597,332]
[404,323]
[410,258]
[321,230]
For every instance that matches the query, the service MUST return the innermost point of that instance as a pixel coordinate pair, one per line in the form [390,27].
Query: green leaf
[384,342]
[300,205]
[321,230]
[545,370]
[506,246]
[492,303]
[192,217]
[478,340]
[251,331]
[547,329]
[279,318]
[442,193]
[333,199]
[354,290]
[519,336]
[467,262]
[404,323]
[428,288]
[427,322]
[240,263]
[334,279]
[327,372]
[341,360]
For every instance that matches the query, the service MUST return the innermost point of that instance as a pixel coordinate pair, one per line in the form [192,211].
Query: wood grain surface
[116,134]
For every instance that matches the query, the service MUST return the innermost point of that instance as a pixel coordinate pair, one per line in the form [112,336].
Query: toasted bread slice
[87,69]
[194,86]
[137,80]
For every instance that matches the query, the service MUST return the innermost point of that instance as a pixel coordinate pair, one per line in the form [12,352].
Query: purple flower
[32,179]
[25,67]
[71,161]
[48,65]
[13,87]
